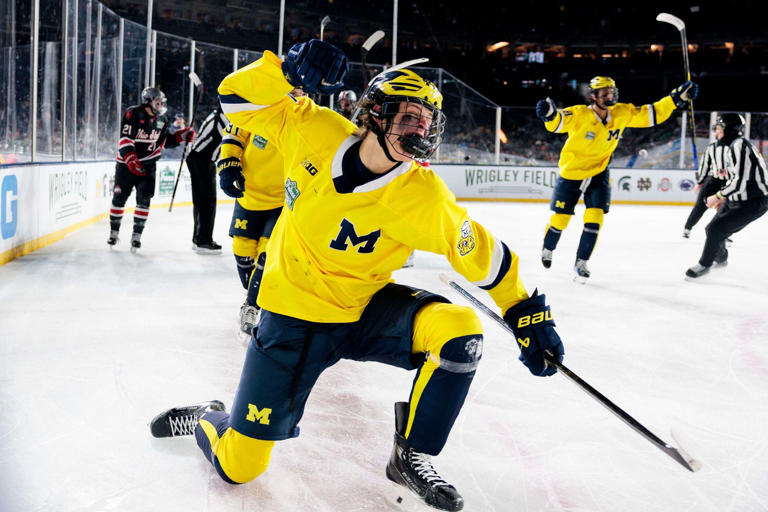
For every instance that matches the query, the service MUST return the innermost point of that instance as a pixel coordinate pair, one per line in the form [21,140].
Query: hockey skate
[135,242]
[249,317]
[697,270]
[413,471]
[546,258]
[113,238]
[210,248]
[582,272]
[181,421]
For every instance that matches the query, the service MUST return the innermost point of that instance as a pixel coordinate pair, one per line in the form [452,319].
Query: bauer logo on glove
[531,320]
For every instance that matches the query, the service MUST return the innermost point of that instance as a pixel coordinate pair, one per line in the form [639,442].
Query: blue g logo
[9,191]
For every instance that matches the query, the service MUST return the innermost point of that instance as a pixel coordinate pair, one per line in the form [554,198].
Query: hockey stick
[326,20]
[678,454]
[402,65]
[680,26]
[316,96]
[367,46]
[199,84]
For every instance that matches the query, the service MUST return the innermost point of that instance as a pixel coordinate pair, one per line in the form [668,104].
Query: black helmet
[150,95]
[733,125]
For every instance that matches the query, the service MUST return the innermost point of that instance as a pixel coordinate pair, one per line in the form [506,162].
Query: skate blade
[401,498]
[134,250]
[580,279]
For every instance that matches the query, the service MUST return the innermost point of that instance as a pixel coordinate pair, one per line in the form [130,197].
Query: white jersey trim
[496,259]
[385,179]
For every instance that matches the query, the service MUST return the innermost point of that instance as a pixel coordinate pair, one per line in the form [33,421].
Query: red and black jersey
[143,134]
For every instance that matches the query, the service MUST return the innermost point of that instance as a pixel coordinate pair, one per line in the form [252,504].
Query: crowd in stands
[576,43]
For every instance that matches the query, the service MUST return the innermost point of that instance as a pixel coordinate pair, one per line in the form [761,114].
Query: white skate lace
[183,425]
[422,464]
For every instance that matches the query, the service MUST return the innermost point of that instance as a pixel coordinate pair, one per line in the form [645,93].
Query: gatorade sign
[9,208]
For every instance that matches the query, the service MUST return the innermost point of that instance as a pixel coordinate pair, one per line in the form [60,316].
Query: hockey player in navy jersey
[356,204]
[143,135]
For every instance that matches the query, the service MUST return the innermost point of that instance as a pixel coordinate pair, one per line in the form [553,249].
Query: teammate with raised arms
[593,132]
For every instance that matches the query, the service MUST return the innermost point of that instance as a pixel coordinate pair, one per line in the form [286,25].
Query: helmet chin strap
[381,137]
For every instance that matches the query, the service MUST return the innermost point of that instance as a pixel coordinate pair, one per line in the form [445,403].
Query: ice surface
[94,343]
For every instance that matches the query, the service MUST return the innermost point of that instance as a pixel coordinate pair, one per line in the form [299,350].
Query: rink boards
[42,203]
[505,182]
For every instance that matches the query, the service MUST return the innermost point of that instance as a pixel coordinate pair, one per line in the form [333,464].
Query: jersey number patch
[347,232]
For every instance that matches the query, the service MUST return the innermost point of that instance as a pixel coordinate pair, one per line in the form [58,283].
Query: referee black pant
[709,186]
[732,216]
[202,172]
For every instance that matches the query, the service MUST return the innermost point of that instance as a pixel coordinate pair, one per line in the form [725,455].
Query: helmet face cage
[414,145]
[604,82]
[155,99]
[608,103]
[382,101]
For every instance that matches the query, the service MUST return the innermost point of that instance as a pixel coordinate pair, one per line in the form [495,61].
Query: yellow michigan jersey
[332,247]
[262,166]
[591,143]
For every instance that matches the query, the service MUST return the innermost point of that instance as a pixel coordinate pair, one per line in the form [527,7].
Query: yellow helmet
[403,83]
[382,100]
[601,81]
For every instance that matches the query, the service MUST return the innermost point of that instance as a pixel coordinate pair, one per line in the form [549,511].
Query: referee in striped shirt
[742,200]
[709,179]
[201,163]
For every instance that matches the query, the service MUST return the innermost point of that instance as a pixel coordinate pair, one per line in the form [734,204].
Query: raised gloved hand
[231,179]
[185,134]
[134,165]
[684,93]
[531,320]
[316,66]
[546,109]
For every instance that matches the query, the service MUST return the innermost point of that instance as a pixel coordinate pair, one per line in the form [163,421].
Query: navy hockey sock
[255,284]
[220,421]
[551,238]
[245,266]
[588,240]
[435,413]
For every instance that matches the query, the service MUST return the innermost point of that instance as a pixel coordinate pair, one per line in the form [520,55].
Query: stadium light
[497,46]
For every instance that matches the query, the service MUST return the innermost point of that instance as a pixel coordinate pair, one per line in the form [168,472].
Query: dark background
[578,41]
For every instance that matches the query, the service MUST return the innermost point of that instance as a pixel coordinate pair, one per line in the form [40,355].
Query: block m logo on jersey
[614,134]
[347,232]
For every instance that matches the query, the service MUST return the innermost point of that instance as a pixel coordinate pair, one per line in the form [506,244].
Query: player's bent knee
[245,246]
[451,334]
[242,458]
[594,215]
[560,220]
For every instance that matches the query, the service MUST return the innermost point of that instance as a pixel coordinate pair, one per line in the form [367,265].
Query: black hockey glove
[316,66]
[231,179]
[531,320]
[545,110]
[682,94]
